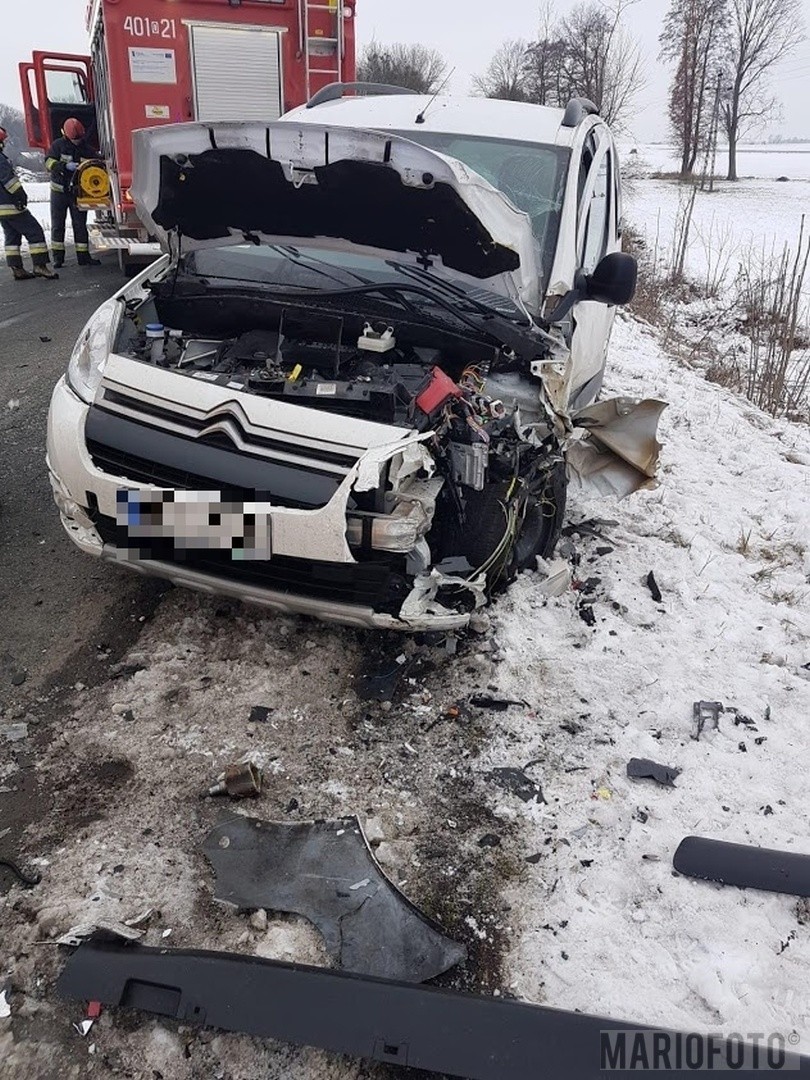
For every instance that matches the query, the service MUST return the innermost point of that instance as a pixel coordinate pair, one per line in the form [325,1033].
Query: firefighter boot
[58,260]
[87,260]
[21,275]
[45,272]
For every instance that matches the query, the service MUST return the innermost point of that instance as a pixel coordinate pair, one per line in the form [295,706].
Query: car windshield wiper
[314,263]
[449,288]
[490,325]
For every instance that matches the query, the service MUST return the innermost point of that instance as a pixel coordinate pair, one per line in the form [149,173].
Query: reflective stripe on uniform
[12,185]
[82,247]
[38,249]
[50,162]
[56,245]
[57,187]
[13,249]
[7,210]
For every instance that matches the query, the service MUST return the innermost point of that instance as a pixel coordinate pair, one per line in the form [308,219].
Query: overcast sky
[465,31]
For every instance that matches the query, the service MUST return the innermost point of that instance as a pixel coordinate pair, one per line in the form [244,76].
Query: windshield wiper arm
[417,273]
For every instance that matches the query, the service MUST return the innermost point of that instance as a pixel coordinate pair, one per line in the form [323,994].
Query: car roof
[484,117]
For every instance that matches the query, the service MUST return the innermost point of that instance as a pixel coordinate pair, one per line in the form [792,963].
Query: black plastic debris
[489,840]
[534,859]
[644,769]
[325,872]
[18,677]
[652,585]
[380,683]
[259,714]
[747,867]
[517,783]
[441,1031]
[604,550]
[487,701]
[586,613]
[704,712]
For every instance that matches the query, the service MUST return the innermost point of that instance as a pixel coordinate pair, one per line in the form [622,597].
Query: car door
[597,234]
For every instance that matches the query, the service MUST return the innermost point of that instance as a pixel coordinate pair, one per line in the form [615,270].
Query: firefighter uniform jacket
[12,197]
[60,154]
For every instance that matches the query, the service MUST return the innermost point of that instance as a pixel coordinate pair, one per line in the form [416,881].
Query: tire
[543,521]
[486,523]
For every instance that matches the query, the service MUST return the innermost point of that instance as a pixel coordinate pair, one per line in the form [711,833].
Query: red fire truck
[168,61]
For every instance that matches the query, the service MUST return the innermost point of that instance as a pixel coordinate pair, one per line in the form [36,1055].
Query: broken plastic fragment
[644,769]
[703,711]
[557,578]
[326,872]
[103,928]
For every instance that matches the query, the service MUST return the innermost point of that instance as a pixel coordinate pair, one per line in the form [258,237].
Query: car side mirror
[614,279]
[612,282]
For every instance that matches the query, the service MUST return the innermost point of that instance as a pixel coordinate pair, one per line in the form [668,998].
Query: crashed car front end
[376,443]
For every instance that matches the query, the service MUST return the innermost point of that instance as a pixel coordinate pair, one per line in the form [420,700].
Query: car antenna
[421,117]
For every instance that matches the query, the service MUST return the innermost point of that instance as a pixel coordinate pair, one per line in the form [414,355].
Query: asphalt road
[60,611]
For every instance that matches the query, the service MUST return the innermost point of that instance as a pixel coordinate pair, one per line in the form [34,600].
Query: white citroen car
[353,385]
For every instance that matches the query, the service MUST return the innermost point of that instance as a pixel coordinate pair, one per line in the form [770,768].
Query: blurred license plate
[196,520]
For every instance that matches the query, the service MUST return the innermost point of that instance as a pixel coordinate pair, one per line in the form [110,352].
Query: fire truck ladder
[322,42]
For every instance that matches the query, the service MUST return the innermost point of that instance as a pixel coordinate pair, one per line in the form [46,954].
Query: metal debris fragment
[238,781]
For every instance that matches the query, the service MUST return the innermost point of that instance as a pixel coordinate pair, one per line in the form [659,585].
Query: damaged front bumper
[311,568]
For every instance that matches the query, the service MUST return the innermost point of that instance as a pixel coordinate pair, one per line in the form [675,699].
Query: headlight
[399,531]
[91,351]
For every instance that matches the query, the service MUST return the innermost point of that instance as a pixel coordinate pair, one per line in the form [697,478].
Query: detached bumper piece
[745,866]
[461,1035]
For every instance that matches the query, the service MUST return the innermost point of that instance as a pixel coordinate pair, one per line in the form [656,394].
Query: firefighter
[19,222]
[62,161]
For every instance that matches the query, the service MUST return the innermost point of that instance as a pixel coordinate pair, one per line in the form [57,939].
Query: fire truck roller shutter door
[237,73]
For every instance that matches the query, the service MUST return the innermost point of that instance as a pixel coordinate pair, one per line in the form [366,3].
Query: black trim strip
[480,1038]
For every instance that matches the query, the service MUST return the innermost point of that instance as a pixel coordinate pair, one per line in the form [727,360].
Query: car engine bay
[490,495]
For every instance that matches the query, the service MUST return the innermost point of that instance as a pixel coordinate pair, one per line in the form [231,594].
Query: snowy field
[738,236]
[574,902]
[754,214]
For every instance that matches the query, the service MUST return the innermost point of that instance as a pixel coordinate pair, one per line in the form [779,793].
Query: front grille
[378,585]
[161,415]
[142,471]
[130,450]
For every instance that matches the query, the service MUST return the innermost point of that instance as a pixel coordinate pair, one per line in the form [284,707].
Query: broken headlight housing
[399,531]
[92,350]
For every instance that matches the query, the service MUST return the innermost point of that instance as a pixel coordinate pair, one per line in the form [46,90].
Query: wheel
[490,514]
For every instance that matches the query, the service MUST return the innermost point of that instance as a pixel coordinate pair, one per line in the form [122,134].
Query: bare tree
[758,35]
[506,73]
[414,66]
[692,37]
[588,54]
[601,60]
[13,121]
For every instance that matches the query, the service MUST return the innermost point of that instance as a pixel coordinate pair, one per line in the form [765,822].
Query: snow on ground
[574,902]
[739,228]
[752,214]
[727,535]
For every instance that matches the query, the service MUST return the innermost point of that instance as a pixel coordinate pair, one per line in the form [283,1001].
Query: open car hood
[215,184]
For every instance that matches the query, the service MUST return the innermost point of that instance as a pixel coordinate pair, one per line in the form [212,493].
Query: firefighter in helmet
[19,222]
[62,161]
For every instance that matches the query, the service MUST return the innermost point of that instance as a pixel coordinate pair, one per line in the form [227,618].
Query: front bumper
[86,497]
